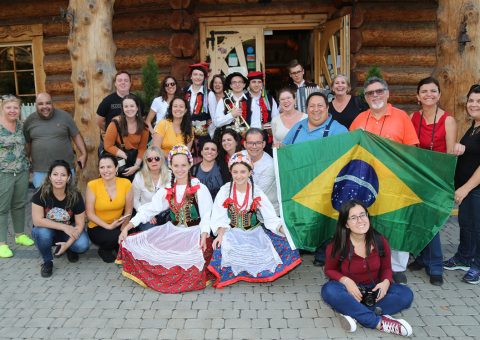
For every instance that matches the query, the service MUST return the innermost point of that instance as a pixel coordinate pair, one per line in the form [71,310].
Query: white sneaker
[348,323]
[395,326]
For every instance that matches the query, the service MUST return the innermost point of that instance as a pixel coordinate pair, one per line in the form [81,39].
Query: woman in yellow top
[175,128]
[109,204]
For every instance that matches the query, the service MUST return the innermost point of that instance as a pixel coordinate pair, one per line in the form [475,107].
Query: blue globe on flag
[357,180]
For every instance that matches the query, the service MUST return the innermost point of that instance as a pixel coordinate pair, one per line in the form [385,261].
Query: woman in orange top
[130,128]
[109,204]
[175,128]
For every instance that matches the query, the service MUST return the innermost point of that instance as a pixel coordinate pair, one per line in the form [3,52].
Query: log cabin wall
[400,38]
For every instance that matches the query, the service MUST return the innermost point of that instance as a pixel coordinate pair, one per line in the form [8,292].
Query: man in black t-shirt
[111,105]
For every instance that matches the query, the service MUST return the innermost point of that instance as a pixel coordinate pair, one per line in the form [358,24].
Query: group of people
[199,204]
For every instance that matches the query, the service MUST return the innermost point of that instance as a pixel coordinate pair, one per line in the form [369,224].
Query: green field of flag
[409,190]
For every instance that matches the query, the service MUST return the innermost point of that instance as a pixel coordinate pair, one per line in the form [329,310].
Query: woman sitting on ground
[109,204]
[248,251]
[152,177]
[58,216]
[358,265]
[173,257]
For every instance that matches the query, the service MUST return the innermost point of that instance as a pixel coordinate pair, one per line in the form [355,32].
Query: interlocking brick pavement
[92,300]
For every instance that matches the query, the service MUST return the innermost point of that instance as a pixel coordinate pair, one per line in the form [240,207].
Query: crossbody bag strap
[122,144]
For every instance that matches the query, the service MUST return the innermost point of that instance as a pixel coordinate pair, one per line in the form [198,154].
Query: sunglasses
[151,159]
[170,84]
[378,92]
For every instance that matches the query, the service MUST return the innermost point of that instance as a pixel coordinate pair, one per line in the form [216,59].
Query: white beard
[378,106]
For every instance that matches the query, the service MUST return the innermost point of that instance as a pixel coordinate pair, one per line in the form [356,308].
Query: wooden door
[234,49]
[332,50]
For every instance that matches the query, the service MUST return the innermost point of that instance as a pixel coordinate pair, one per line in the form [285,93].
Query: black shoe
[400,278]
[415,266]
[47,269]
[436,280]
[318,263]
[106,255]
[72,257]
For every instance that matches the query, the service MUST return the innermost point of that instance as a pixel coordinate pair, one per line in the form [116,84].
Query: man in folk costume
[298,83]
[234,107]
[197,96]
[261,107]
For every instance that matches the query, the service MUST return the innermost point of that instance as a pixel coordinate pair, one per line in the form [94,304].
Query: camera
[369,297]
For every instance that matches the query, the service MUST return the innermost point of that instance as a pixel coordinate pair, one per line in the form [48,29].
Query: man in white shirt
[263,169]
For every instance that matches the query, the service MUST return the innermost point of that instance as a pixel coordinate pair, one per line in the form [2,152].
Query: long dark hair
[138,117]
[238,139]
[163,92]
[186,124]
[71,193]
[341,238]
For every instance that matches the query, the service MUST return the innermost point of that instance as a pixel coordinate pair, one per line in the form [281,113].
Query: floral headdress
[240,157]
[182,150]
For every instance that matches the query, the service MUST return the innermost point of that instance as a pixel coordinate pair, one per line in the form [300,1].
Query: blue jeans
[432,256]
[398,298]
[39,176]
[469,223]
[45,239]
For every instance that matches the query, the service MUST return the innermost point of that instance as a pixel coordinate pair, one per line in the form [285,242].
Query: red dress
[426,132]
[178,278]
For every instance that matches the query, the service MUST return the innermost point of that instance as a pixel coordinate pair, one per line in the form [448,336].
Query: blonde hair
[145,171]
[346,80]
[7,99]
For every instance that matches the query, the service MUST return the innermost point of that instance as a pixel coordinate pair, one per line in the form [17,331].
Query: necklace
[474,129]
[434,124]
[176,206]
[245,200]
[381,128]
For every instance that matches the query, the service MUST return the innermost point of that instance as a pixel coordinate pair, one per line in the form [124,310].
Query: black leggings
[104,238]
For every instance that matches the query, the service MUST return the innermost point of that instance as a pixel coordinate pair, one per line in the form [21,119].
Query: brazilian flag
[408,190]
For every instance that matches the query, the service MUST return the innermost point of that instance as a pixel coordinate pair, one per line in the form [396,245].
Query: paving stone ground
[92,300]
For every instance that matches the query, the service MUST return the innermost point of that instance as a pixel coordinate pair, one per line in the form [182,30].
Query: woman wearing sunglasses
[152,177]
[158,110]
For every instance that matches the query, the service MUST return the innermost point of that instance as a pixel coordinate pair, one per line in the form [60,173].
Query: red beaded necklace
[245,200]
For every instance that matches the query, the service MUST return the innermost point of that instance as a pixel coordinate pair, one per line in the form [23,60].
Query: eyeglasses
[8,97]
[356,218]
[170,84]
[379,92]
[296,73]
[151,159]
[254,143]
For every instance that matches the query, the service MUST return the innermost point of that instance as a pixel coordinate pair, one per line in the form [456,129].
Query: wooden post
[92,52]
[458,62]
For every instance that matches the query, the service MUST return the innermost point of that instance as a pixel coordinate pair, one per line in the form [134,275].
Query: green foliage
[373,71]
[150,82]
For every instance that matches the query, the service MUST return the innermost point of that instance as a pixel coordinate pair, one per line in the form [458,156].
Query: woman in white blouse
[152,177]
[288,117]
[158,110]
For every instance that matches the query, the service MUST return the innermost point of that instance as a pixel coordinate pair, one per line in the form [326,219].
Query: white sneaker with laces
[395,326]
[348,323]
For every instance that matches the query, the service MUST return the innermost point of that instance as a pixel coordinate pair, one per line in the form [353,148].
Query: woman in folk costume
[197,96]
[173,257]
[248,252]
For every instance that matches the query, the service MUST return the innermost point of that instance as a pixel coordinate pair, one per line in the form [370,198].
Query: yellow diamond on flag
[393,193]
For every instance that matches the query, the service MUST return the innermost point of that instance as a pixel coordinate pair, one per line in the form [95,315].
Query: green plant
[373,71]
[150,82]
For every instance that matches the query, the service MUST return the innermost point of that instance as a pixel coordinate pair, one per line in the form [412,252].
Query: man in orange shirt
[389,122]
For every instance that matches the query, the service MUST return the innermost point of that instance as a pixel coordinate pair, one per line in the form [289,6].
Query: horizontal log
[33,9]
[396,56]
[182,20]
[246,8]
[392,35]
[180,69]
[55,45]
[397,75]
[126,22]
[180,4]
[355,40]
[121,6]
[127,40]
[59,84]
[124,59]
[420,11]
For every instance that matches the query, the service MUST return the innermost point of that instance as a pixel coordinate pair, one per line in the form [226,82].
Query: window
[17,74]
